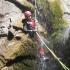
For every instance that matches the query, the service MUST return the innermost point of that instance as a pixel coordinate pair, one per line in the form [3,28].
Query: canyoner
[29,24]
[42,58]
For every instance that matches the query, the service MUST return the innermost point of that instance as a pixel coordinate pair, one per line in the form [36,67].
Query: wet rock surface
[15,46]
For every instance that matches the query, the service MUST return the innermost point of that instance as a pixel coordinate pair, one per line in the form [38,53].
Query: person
[41,51]
[29,24]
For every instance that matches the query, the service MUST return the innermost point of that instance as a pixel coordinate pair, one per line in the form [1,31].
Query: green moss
[56,9]
[44,3]
[24,60]
[56,21]
[26,4]
[23,63]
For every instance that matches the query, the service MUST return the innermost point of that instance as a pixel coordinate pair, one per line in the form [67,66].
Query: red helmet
[42,51]
[27,13]
[32,24]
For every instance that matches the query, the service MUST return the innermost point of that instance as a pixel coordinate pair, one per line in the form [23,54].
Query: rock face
[16,48]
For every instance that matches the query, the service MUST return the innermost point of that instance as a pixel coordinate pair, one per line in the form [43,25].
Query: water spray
[54,55]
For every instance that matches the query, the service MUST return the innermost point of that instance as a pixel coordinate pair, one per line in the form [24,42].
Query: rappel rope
[54,55]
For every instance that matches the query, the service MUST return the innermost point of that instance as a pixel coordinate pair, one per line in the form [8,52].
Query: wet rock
[15,43]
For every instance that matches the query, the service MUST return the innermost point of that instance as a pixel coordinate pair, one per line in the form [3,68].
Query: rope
[54,55]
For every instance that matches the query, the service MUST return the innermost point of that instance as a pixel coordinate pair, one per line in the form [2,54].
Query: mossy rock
[20,54]
[56,21]
[26,4]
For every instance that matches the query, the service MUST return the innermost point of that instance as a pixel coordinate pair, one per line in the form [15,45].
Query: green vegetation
[26,4]
[55,22]
[43,3]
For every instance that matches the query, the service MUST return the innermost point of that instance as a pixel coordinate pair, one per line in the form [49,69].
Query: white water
[66,7]
[66,35]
